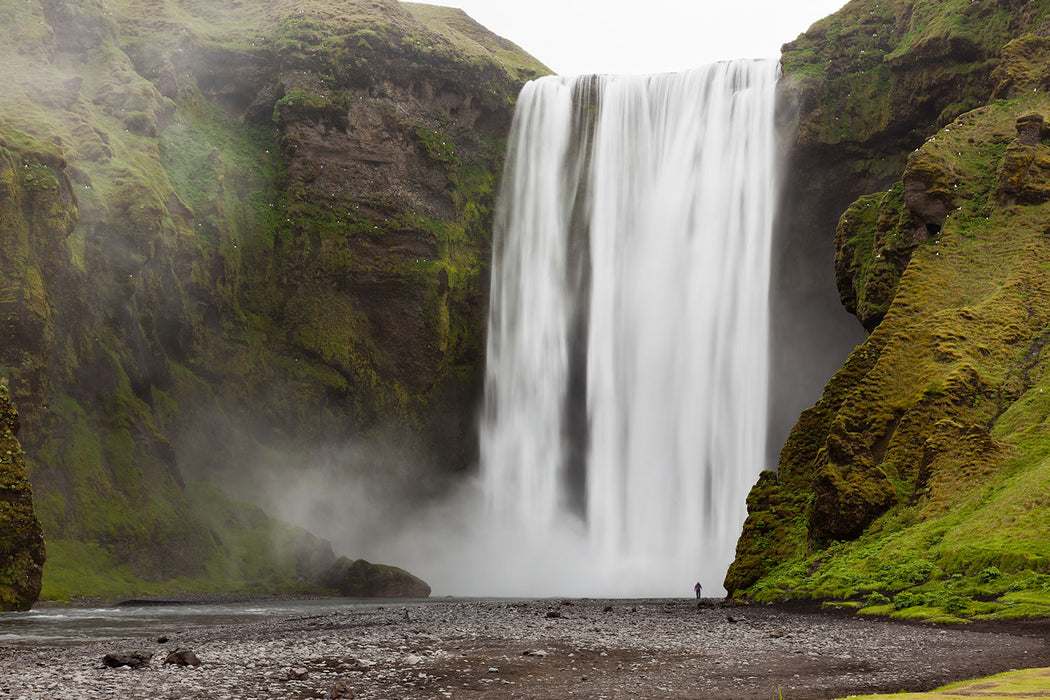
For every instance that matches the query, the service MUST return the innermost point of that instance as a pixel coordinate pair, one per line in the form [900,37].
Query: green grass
[1030,683]
[253,554]
[473,39]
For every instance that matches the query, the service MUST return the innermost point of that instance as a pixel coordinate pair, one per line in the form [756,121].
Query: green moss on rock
[921,445]
[902,489]
[22,551]
[227,228]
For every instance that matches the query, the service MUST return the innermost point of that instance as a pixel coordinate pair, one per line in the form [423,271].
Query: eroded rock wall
[861,90]
[267,233]
[911,470]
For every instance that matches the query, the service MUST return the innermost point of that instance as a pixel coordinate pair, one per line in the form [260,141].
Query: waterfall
[626,377]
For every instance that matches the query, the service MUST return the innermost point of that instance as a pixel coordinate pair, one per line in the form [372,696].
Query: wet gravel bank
[535,649]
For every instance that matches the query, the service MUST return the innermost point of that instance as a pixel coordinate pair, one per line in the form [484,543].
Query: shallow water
[67,626]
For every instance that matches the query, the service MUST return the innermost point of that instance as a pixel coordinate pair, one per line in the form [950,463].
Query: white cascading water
[625,397]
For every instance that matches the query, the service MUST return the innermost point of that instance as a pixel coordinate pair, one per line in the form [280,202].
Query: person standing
[698,589]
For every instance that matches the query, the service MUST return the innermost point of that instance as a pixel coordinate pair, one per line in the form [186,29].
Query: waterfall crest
[626,380]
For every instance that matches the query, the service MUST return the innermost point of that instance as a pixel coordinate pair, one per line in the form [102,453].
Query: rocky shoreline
[536,648]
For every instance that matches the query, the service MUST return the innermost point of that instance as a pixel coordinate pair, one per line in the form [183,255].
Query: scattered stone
[182,657]
[627,652]
[131,659]
[339,691]
[412,659]
[776,634]
[607,608]
[162,640]
[554,614]
[360,664]
[731,619]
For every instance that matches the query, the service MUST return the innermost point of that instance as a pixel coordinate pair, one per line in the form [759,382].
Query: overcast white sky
[645,36]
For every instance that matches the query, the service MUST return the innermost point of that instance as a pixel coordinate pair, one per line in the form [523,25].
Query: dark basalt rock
[132,658]
[362,579]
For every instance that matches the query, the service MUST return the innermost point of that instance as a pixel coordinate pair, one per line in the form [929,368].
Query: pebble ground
[647,649]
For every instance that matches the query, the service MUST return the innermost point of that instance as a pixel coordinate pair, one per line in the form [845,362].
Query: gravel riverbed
[535,649]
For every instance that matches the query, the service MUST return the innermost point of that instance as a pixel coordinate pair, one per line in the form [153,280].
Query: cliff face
[21,540]
[237,229]
[861,90]
[921,474]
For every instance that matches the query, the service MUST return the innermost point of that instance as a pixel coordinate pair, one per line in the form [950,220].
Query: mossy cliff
[21,539]
[861,90]
[235,233]
[919,484]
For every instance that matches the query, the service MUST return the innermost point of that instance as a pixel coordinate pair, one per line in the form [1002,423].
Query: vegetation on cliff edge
[919,485]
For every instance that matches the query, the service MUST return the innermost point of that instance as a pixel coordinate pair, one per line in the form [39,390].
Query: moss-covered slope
[263,228]
[21,539]
[919,483]
[861,90]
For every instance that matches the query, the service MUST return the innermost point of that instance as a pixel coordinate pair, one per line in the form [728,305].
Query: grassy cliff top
[473,39]
[882,72]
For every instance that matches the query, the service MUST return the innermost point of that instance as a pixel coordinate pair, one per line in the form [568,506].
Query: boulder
[182,657]
[134,658]
[362,579]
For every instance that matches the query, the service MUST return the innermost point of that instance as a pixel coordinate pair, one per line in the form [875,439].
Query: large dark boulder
[362,579]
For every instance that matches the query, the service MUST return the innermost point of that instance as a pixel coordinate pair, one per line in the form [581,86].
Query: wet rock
[131,659]
[535,652]
[182,657]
